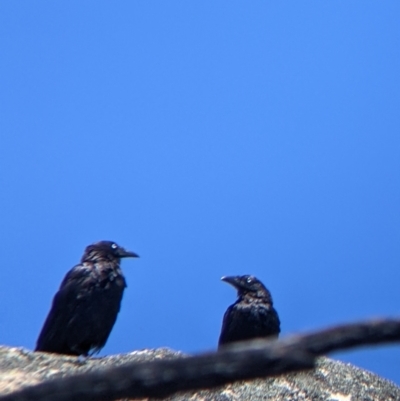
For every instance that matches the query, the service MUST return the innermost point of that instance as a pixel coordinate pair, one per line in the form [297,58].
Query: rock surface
[330,381]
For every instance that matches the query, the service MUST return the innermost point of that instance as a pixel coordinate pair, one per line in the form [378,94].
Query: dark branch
[248,360]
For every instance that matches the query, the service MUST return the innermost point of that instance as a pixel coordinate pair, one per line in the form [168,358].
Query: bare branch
[248,360]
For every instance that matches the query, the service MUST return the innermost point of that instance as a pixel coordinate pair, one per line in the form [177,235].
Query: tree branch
[247,360]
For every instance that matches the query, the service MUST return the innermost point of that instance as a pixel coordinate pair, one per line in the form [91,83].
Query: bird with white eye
[252,315]
[86,306]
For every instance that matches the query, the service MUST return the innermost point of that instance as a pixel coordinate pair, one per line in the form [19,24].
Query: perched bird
[252,315]
[86,306]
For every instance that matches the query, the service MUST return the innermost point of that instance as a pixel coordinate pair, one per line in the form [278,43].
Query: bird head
[248,285]
[106,250]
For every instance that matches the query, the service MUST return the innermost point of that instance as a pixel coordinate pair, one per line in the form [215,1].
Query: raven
[86,306]
[252,315]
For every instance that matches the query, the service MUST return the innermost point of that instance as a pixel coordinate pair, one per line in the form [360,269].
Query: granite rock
[330,381]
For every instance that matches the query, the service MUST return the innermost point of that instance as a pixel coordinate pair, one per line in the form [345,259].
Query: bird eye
[249,280]
[114,246]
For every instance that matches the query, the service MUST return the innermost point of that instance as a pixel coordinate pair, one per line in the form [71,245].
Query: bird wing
[244,322]
[229,324]
[66,302]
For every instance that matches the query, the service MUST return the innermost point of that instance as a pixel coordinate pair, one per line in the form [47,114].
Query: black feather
[252,315]
[86,306]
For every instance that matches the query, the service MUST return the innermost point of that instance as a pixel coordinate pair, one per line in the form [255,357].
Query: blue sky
[212,138]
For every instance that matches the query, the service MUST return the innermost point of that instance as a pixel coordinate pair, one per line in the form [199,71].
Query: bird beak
[123,253]
[232,280]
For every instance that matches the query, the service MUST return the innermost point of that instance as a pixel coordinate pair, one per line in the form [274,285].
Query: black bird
[86,306]
[252,315]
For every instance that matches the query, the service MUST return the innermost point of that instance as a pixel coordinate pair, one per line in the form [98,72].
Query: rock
[330,381]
